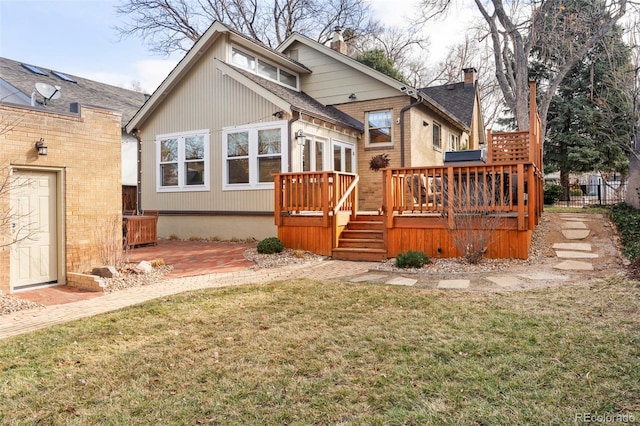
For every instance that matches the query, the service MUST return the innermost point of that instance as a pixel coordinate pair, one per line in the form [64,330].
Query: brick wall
[370,186]
[85,151]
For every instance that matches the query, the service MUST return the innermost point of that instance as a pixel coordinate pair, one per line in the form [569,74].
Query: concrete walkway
[574,255]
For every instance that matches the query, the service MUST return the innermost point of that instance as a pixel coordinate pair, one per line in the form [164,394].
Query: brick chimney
[470,76]
[337,42]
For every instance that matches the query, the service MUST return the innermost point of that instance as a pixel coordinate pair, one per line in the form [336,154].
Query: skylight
[63,76]
[34,69]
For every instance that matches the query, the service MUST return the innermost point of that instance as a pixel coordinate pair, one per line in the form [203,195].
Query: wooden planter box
[140,230]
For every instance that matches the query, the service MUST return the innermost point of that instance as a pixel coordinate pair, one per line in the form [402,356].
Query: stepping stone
[574,265]
[402,281]
[505,281]
[454,283]
[368,277]
[573,246]
[575,255]
[543,276]
[573,225]
[575,234]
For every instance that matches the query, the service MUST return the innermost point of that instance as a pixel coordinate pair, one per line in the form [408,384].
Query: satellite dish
[48,92]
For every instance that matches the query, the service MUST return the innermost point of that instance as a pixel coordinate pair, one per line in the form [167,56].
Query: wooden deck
[420,205]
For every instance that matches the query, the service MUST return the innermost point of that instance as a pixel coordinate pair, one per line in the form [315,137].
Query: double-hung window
[252,153]
[182,161]
[379,125]
[437,136]
[454,142]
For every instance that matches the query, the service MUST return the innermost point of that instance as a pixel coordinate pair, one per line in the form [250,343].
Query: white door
[33,227]
[344,157]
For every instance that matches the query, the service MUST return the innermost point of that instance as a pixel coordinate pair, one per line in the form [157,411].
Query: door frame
[60,223]
[342,144]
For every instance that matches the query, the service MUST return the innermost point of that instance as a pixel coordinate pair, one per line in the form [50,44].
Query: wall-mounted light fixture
[278,114]
[300,137]
[424,123]
[352,96]
[41,147]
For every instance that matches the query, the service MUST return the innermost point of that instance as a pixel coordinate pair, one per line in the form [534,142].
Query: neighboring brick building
[68,201]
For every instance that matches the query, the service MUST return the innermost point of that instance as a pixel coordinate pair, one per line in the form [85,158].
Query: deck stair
[362,239]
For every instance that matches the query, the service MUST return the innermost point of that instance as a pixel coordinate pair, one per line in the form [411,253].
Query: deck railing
[324,193]
[508,188]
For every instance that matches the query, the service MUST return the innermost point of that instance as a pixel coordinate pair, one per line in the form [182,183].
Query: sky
[77,37]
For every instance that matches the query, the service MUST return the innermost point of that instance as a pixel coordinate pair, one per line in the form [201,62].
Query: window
[34,69]
[263,68]
[437,141]
[454,142]
[379,128]
[252,153]
[183,161]
[313,153]
[63,76]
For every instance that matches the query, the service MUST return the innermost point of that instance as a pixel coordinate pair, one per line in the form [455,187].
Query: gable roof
[446,109]
[298,101]
[216,30]
[458,99]
[18,84]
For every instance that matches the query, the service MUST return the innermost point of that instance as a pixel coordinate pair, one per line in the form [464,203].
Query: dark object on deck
[472,156]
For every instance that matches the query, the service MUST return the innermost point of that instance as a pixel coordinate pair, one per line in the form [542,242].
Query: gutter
[402,111]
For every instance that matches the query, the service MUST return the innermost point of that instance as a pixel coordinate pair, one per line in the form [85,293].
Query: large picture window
[379,125]
[252,154]
[183,161]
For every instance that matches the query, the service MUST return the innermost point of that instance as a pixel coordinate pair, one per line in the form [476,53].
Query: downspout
[291,144]
[136,134]
[402,111]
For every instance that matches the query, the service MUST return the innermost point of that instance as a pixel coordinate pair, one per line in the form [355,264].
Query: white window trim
[368,142]
[437,148]
[258,59]
[253,154]
[313,139]
[182,187]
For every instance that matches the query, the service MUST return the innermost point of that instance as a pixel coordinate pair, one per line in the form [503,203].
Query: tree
[590,119]
[170,26]
[379,61]
[564,31]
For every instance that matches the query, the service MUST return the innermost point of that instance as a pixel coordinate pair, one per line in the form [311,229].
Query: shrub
[270,245]
[411,259]
[552,193]
[576,192]
[627,221]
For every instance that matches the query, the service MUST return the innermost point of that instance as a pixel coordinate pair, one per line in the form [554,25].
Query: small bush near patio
[411,259]
[270,245]
[552,193]
[328,353]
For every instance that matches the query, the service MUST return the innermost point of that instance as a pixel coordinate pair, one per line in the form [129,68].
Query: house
[234,114]
[18,86]
[60,193]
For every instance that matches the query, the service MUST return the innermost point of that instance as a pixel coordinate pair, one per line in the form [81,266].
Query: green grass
[589,209]
[304,352]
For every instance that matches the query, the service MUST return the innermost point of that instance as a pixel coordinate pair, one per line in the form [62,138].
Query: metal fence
[602,193]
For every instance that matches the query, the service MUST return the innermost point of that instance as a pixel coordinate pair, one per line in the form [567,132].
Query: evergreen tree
[379,61]
[590,117]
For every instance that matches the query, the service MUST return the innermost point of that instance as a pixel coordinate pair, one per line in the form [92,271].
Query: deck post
[450,193]
[278,207]
[532,190]
[520,169]
[325,198]
[489,147]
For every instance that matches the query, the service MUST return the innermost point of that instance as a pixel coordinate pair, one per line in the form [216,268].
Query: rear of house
[234,113]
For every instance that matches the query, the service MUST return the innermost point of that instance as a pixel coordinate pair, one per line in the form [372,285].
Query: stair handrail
[346,195]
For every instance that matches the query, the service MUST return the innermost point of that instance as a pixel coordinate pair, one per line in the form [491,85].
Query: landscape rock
[105,271]
[143,267]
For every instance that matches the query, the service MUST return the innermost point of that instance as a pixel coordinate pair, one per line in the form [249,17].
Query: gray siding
[204,99]
[331,81]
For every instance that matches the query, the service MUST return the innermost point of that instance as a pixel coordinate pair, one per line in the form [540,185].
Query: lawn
[305,352]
